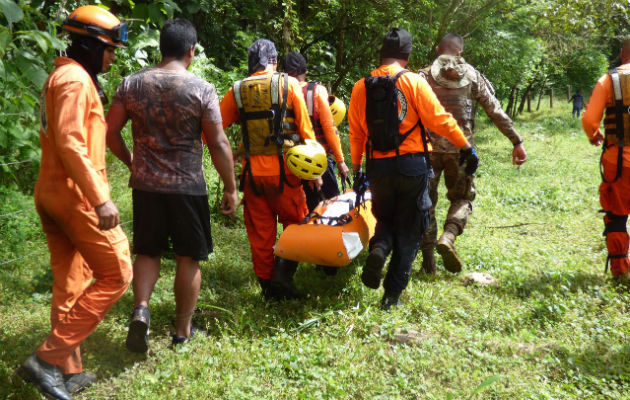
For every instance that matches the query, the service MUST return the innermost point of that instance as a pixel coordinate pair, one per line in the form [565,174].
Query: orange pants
[79,252]
[615,200]
[264,211]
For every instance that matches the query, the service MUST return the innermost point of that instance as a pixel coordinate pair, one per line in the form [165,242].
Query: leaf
[11,11]
[37,38]
[484,385]
[2,74]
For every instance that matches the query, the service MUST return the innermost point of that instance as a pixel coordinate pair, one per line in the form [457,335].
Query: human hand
[469,157]
[597,138]
[108,216]
[343,170]
[519,155]
[229,202]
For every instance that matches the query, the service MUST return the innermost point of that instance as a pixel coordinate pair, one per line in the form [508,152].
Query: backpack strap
[423,132]
[243,116]
[310,94]
[620,110]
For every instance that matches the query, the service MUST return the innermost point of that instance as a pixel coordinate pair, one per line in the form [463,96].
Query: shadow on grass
[550,283]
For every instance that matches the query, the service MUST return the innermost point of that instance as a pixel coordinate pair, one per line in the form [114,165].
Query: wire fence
[45,249]
[17,162]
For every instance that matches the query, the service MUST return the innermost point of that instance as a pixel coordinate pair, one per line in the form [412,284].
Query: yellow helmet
[307,161]
[337,108]
[98,23]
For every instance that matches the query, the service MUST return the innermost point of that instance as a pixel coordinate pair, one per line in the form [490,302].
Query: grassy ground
[555,327]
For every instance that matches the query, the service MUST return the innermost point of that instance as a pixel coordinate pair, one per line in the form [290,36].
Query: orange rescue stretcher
[333,234]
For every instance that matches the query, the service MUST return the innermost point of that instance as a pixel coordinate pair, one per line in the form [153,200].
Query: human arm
[358,127]
[221,154]
[116,119]
[302,120]
[71,141]
[592,117]
[330,130]
[485,96]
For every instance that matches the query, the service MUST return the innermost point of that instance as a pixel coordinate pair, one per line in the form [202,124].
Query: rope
[18,162]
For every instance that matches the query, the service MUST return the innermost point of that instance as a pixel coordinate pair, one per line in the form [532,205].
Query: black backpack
[381,111]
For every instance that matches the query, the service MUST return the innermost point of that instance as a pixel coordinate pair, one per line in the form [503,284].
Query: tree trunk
[529,102]
[508,109]
[568,92]
[521,107]
[551,98]
[540,93]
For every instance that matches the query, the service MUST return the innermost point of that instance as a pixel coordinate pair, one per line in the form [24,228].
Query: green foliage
[555,327]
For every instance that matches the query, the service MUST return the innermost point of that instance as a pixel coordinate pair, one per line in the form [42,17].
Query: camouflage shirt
[459,102]
[166,108]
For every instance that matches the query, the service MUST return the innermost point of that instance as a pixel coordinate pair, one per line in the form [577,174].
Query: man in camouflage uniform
[457,84]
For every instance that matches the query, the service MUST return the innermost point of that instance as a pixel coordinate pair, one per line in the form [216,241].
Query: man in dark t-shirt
[169,109]
[578,101]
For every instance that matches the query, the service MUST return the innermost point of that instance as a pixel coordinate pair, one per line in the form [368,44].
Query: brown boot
[446,248]
[428,262]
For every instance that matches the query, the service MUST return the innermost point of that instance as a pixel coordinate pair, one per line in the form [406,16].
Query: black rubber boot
[373,269]
[282,284]
[390,300]
[46,377]
[138,334]
[267,289]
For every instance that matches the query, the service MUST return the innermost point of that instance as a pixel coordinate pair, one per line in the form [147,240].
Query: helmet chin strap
[88,52]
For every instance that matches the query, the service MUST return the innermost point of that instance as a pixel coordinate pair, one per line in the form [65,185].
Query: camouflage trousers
[460,191]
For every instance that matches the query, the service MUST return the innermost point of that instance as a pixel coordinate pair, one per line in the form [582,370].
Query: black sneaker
[373,269]
[47,378]
[77,382]
[138,334]
[390,301]
[177,340]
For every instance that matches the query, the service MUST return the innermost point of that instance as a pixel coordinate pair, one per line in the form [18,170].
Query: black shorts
[185,219]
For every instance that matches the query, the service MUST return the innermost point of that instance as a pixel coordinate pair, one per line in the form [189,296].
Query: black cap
[294,64]
[396,44]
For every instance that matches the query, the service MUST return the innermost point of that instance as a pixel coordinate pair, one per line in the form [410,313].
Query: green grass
[555,327]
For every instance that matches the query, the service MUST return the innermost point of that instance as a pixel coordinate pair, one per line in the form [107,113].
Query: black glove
[469,157]
[359,186]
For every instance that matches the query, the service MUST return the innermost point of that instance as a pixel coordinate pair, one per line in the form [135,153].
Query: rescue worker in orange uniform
[387,114]
[271,111]
[611,96]
[89,252]
[316,98]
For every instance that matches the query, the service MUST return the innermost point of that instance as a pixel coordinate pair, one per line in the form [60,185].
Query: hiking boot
[138,334]
[373,269]
[389,301]
[194,331]
[47,378]
[282,286]
[428,262]
[77,382]
[446,248]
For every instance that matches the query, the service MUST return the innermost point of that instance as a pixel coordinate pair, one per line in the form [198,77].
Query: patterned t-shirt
[166,108]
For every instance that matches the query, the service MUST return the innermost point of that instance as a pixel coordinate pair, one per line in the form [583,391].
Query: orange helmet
[98,23]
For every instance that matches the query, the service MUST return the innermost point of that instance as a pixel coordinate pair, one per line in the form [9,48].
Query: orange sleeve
[434,116]
[328,125]
[229,110]
[302,120]
[71,102]
[601,95]
[356,120]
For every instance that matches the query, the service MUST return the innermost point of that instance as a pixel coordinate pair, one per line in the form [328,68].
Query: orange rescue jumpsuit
[72,181]
[263,212]
[613,196]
